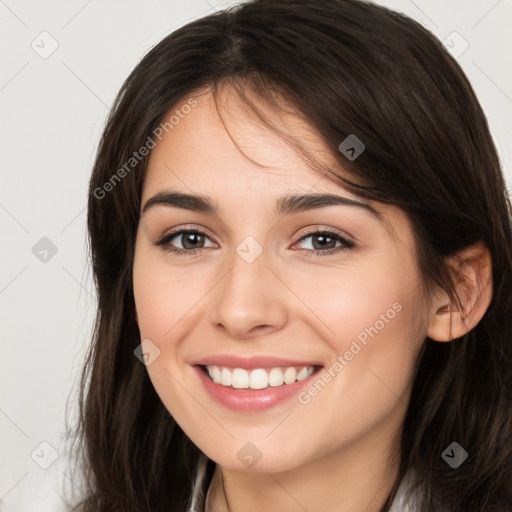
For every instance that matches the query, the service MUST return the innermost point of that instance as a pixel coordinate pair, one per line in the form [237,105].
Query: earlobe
[473,283]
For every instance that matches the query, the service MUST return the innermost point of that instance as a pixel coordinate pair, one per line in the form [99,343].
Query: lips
[253,383]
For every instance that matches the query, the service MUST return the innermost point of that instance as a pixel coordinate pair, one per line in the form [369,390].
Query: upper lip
[251,362]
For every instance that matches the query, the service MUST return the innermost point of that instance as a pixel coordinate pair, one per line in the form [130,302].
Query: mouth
[257,378]
[257,388]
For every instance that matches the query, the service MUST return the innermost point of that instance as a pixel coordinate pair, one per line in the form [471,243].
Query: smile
[253,384]
[259,378]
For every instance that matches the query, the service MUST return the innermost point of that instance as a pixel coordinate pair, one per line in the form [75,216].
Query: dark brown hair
[348,67]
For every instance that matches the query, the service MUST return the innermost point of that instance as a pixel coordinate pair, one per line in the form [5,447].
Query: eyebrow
[285,205]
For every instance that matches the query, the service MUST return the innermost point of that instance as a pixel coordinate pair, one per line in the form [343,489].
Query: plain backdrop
[62,64]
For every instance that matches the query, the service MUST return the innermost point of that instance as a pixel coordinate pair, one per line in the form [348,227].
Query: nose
[249,300]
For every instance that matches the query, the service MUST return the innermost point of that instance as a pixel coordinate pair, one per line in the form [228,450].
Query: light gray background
[53,110]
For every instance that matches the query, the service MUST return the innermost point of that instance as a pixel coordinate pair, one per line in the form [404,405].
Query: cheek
[358,301]
[165,300]
[371,320]
[164,295]
[376,338]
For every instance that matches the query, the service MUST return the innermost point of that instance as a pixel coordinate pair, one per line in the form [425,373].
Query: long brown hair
[349,67]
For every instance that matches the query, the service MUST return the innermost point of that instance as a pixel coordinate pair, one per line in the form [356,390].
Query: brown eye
[191,240]
[326,242]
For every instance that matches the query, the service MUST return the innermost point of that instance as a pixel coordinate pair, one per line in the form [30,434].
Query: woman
[301,241]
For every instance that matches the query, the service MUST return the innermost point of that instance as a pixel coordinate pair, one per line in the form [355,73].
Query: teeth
[290,375]
[240,378]
[215,374]
[259,378]
[275,377]
[302,374]
[225,377]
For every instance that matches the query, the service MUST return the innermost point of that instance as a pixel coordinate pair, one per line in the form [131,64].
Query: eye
[191,241]
[326,242]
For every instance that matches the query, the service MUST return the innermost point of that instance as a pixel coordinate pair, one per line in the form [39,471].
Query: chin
[251,459]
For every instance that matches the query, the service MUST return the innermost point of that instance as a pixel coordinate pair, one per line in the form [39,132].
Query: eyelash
[165,245]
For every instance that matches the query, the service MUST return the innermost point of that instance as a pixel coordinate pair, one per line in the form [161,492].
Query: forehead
[208,150]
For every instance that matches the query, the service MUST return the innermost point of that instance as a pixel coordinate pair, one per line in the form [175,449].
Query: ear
[447,321]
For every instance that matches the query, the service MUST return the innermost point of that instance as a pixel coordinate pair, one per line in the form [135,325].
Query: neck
[358,478]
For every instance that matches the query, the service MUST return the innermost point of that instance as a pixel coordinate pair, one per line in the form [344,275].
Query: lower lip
[251,400]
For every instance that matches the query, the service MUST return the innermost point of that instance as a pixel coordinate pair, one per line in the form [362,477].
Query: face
[279,335]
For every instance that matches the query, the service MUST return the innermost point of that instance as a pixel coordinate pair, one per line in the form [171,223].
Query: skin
[331,453]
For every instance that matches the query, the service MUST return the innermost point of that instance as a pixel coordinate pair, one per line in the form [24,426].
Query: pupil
[188,239]
[323,239]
